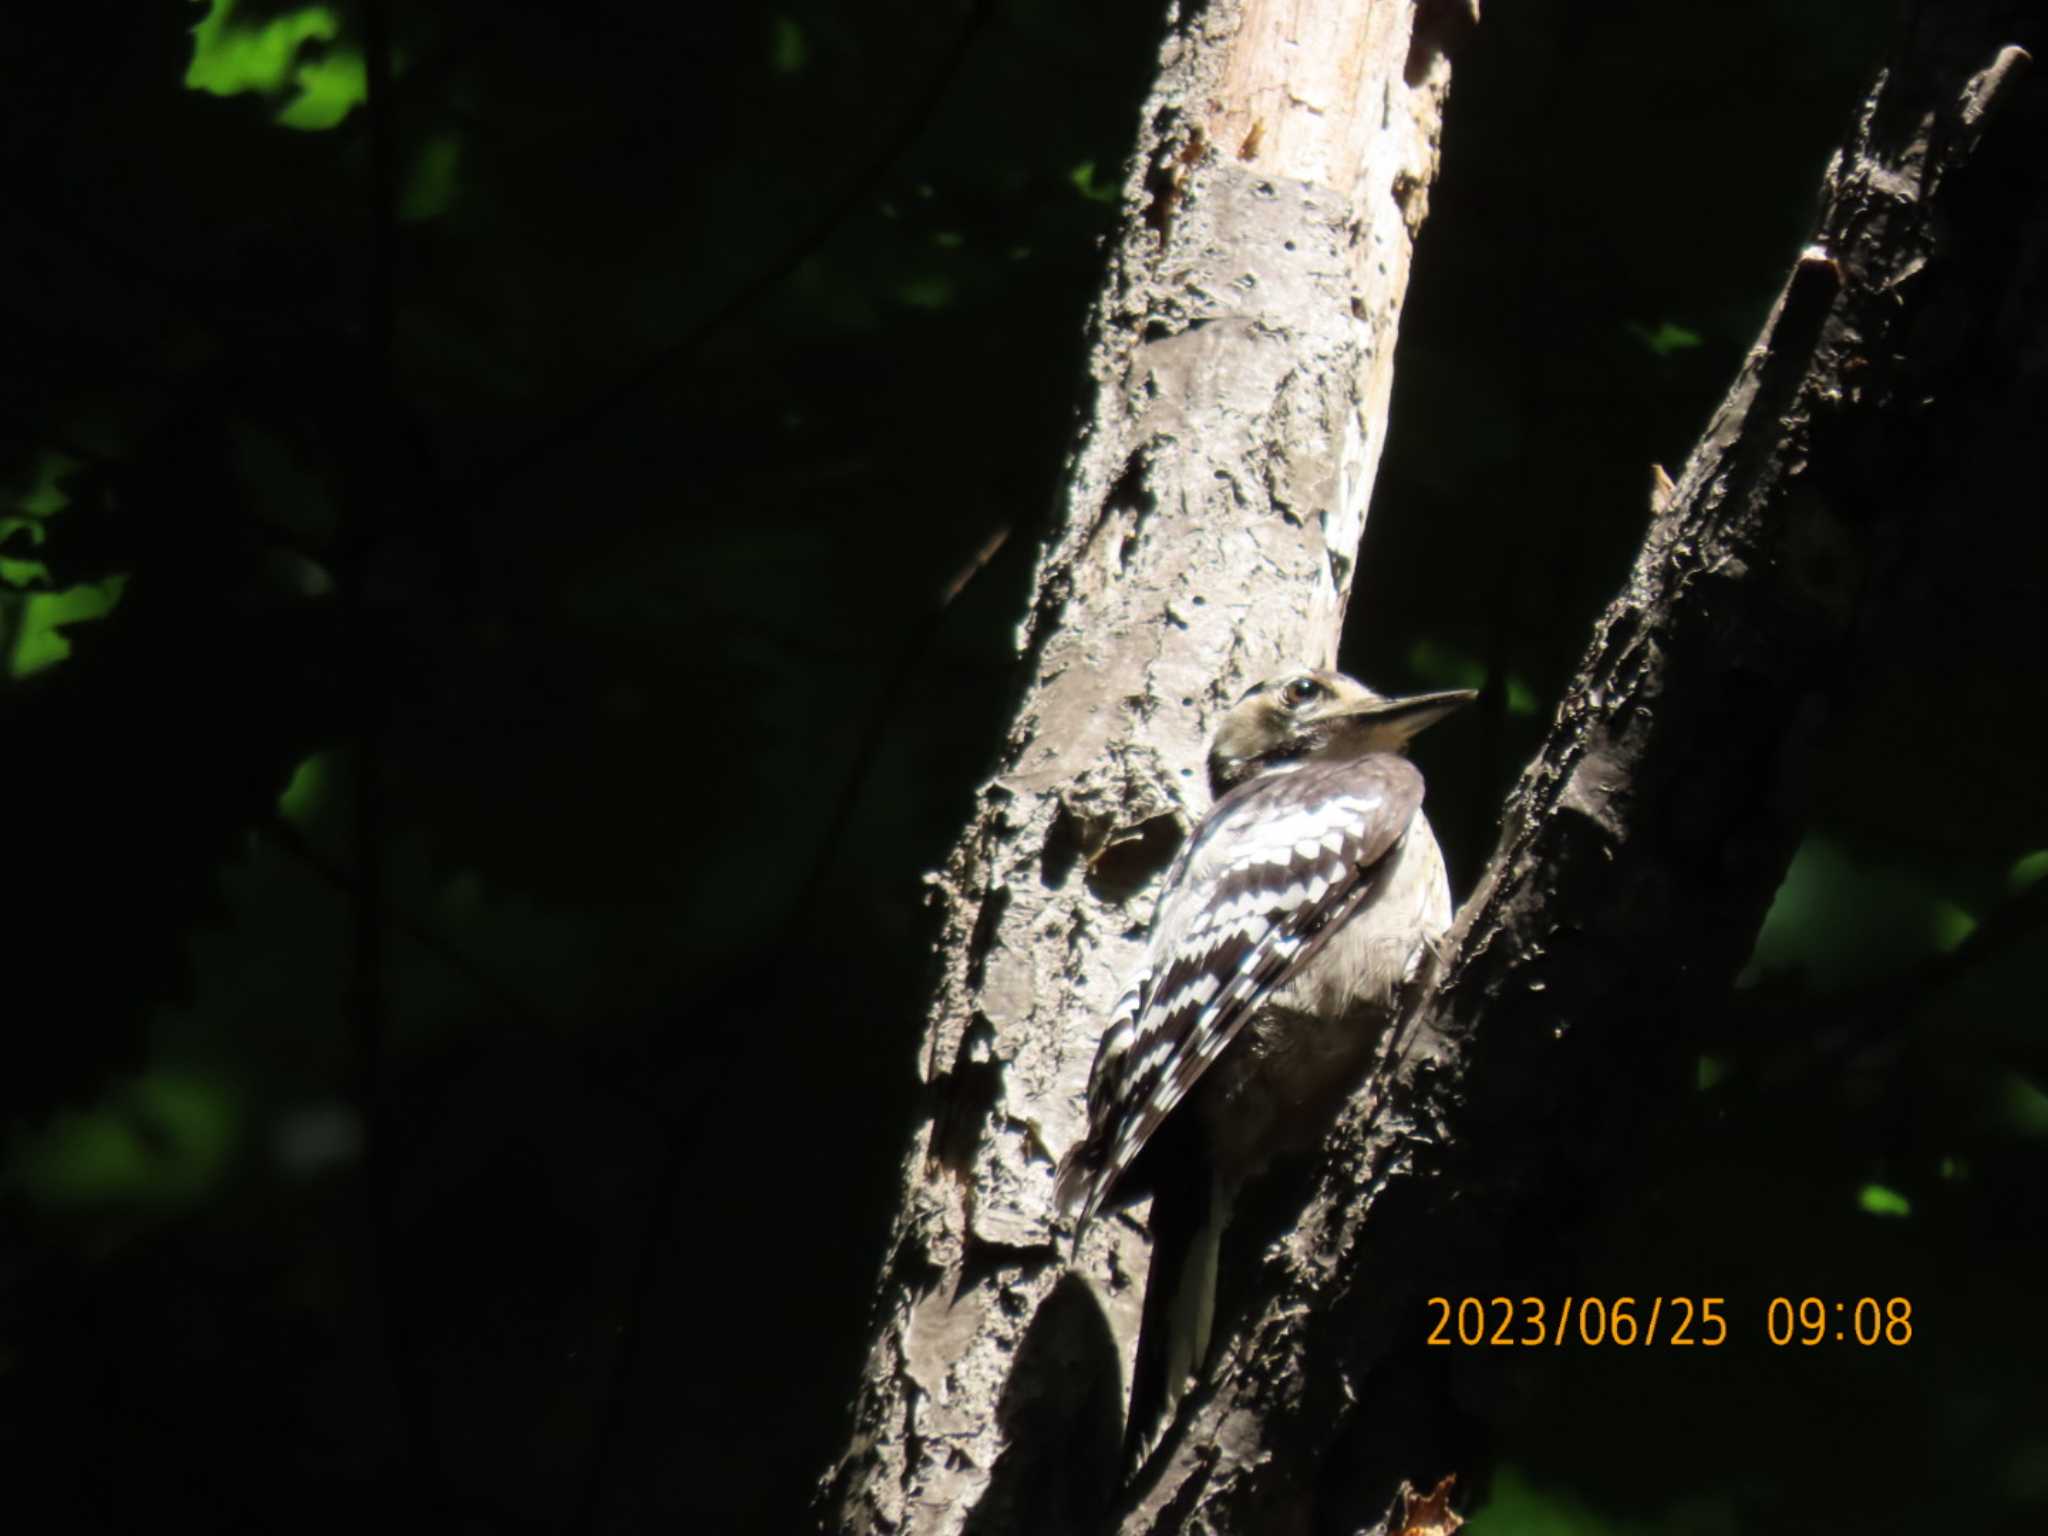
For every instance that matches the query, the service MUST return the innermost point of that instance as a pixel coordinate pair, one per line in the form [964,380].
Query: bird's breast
[1273,1093]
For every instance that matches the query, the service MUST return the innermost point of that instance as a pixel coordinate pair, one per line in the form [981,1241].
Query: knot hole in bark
[1117,862]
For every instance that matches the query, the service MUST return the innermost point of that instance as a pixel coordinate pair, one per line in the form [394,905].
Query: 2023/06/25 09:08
[1676,1321]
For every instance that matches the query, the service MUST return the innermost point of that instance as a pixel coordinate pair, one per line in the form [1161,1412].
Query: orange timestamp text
[1534,1322]
[1677,1322]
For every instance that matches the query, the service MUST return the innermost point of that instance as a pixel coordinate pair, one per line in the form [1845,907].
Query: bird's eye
[1301,691]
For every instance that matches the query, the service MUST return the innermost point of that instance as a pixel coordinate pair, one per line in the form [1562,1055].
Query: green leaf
[925,292]
[1951,925]
[162,1141]
[1085,182]
[430,189]
[40,642]
[2026,1106]
[23,573]
[308,790]
[787,50]
[2026,871]
[1517,1507]
[1445,666]
[1840,917]
[228,60]
[24,528]
[1667,339]
[330,87]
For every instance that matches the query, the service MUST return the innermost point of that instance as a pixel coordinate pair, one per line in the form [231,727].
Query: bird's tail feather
[1188,1216]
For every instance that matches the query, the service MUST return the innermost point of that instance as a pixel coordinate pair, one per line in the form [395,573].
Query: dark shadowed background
[590,444]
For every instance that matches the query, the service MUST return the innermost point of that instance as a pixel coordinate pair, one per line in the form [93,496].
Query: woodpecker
[1288,923]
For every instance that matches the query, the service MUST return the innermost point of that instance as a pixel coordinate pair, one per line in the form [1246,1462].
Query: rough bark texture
[1239,375]
[1901,377]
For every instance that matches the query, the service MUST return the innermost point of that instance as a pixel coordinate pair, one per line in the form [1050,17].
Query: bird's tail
[1188,1216]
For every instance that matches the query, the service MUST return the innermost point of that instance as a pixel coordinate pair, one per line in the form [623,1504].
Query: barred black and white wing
[1274,870]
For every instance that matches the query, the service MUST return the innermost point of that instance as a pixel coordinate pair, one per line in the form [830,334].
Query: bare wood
[1238,374]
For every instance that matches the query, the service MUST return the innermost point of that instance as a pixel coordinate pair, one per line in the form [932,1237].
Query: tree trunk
[1896,388]
[1238,385]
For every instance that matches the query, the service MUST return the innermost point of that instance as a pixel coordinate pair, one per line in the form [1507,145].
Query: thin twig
[439,945]
[914,648]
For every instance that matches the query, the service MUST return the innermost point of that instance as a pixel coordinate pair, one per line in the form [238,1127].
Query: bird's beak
[1414,714]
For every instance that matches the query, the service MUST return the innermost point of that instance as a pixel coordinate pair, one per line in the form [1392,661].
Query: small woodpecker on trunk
[1287,925]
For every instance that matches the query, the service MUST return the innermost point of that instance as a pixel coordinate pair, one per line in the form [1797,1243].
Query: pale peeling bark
[1240,371]
[1902,373]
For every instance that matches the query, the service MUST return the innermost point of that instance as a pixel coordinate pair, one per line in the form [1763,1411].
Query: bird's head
[1305,713]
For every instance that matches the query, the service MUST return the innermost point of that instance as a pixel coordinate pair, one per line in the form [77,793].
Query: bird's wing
[1276,867]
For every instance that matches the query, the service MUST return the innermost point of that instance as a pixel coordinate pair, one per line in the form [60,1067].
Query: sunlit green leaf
[229,59]
[40,642]
[37,639]
[330,87]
